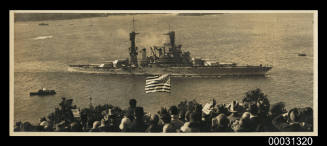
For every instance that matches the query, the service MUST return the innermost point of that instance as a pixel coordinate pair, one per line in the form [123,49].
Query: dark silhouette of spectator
[27,126]
[95,128]
[154,126]
[138,122]
[290,122]
[18,126]
[220,124]
[75,127]
[126,122]
[132,107]
[175,122]
[194,124]
[167,126]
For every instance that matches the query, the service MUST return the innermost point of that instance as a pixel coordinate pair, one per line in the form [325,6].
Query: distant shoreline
[65,16]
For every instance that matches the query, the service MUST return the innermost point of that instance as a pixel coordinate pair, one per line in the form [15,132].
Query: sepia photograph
[163,73]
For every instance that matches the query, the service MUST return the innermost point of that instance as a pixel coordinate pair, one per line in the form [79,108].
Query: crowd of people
[253,114]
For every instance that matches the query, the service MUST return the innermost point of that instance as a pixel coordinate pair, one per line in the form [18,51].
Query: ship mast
[133,49]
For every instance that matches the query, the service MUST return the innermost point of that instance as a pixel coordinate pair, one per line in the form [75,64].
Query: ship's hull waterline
[178,71]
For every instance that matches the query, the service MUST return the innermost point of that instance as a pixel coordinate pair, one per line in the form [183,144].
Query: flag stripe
[163,85]
[157,88]
[157,83]
[151,91]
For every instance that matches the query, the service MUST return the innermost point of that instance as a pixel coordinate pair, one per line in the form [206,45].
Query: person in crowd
[18,126]
[235,112]
[220,124]
[154,124]
[275,110]
[113,120]
[126,122]
[187,116]
[75,127]
[205,122]
[60,127]
[132,107]
[27,126]
[254,115]
[291,122]
[45,126]
[95,128]
[103,126]
[138,122]
[194,124]
[244,124]
[175,122]
[167,126]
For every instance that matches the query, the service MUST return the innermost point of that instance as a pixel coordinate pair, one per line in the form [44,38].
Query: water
[252,39]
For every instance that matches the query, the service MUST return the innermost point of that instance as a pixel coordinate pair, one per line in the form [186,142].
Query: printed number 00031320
[290,140]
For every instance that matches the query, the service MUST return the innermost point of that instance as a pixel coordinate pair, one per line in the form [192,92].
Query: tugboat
[43,24]
[43,92]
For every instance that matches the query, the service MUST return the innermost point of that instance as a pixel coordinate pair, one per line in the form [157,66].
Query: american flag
[157,84]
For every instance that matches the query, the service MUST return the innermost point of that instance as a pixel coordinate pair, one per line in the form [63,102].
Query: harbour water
[253,39]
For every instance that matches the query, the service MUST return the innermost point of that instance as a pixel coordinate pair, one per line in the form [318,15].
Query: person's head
[165,118]
[139,112]
[220,121]
[173,110]
[154,119]
[293,115]
[75,127]
[252,108]
[246,115]
[27,126]
[278,108]
[132,103]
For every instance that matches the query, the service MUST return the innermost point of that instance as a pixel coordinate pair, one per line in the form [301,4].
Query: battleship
[168,59]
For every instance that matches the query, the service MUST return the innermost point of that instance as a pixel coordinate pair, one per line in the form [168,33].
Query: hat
[278,108]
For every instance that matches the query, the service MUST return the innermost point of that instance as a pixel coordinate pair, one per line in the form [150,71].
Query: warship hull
[177,71]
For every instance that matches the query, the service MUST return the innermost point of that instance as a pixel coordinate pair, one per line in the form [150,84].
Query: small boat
[43,24]
[302,54]
[43,92]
